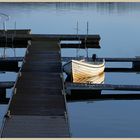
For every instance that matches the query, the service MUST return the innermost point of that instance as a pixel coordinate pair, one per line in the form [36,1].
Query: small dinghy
[83,69]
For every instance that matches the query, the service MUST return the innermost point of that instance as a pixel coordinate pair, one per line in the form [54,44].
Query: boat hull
[81,69]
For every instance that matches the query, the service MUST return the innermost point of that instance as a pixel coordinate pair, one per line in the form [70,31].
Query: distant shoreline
[38,1]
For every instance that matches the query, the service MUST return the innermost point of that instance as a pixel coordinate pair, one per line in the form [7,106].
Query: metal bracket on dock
[15,90]
[63,92]
[8,115]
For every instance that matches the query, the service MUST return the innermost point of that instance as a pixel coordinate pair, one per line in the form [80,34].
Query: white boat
[83,69]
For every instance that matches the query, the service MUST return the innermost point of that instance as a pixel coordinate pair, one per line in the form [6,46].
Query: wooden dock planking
[41,76]
[50,67]
[40,90]
[55,58]
[92,40]
[17,31]
[54,82]
[36,126]
[38,103]
[46,105]
[88,86]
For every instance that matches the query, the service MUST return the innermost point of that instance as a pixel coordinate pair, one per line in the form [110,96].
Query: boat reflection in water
[86,94]
[99,79]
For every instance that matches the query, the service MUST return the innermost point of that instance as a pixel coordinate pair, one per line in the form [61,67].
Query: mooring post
[136,64]
[94,57]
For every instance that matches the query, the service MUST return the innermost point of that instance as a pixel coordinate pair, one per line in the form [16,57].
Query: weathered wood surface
[38,107]
[17,31]
[11,59]
[35,126]
[92,41]
[88,86]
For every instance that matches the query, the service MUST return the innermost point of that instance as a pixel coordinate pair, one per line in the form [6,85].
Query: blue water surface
[118,24]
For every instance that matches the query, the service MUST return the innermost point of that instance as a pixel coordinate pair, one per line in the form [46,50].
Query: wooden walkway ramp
[38,107]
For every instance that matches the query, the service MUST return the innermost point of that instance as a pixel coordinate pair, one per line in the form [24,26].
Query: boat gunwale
[88,64]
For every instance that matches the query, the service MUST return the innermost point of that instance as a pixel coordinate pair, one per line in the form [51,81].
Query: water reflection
[119,37]
[113,119]
[99,79]
[104,7]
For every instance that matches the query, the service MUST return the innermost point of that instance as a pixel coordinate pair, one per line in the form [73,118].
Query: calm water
[118,26]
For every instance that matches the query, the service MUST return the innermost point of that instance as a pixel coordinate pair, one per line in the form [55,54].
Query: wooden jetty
[107,59]
[11,59]
[135,62]
[98,87]
[6,84]
[38,106]
[20,40]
